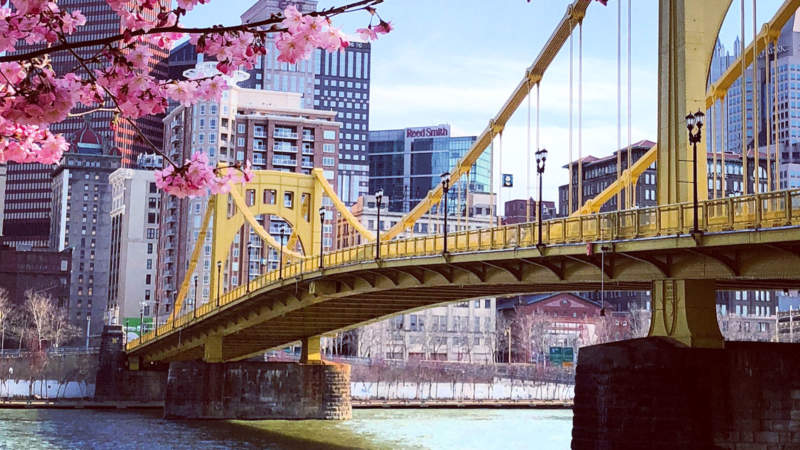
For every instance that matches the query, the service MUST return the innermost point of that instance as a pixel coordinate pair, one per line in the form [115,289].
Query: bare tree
[6,309]
[47,320]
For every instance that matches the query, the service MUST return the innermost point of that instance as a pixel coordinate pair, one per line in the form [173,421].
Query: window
[151,218]
[240,128]
[150,249]
[152,233]
[328,148]
[329,135]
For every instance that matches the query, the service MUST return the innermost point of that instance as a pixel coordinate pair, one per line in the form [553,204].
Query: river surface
[369,428]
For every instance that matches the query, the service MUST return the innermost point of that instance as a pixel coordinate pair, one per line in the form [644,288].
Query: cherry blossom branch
[249,27]
[116,102]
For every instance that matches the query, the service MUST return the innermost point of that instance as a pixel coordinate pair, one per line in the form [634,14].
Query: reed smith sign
[427,132]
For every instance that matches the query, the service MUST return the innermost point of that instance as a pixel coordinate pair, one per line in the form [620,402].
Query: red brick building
[537,322]
[516,211]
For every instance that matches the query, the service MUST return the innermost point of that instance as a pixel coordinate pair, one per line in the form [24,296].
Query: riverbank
[64,403]
[455,404]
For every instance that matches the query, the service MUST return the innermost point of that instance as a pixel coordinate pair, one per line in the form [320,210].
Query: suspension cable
[633,190]
[536,210]
[580,113]
[743,82]
[500,168]
[724,120]
[712,137]
[769,116]
[492,193]
[756,150]
[528,165]
[571,163]
[775,112]
[619,101]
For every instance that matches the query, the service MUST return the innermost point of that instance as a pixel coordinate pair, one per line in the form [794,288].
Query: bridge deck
[751,241]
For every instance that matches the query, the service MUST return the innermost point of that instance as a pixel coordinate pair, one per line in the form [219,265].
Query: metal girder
[479,273]
[515,272]
[557,271]
[662,267]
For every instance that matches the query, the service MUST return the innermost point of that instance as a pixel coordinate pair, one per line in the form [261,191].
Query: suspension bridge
[746,241]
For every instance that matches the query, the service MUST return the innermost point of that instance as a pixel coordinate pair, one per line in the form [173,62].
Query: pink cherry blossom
[33,96]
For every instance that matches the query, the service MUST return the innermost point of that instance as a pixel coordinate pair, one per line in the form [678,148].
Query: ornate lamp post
[541,158]
[378,201]
[321,234]
[280,260]
[445,189]
[695,121]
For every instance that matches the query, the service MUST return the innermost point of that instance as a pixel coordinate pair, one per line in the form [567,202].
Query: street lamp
[692,121]
[280,259]
[321,234]
[541,158]
[219,280]
[378,200]
[445,189]
[141,318]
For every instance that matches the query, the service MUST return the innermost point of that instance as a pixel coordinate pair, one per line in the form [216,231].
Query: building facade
[271,74]
[270,130]
[599,173]
[135,208]
[463,331]
[40,270]
[28,194]
[407,163]
[456,332]
[81,210]
[341,84]
[516,211]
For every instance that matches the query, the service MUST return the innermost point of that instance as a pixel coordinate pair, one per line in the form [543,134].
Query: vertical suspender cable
[580,113]
[743,81]
[633,182]
[756,150]
[619,100]
[536,210]
[467,208]
[768,115]
[775,111]
[712,136]
[500,168]
[528,159]
[571,182]
[724,102]
[492,193]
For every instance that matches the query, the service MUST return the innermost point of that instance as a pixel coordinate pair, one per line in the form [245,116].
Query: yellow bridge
[748,241]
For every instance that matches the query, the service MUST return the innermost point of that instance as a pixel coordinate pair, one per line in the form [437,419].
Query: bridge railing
[771,209]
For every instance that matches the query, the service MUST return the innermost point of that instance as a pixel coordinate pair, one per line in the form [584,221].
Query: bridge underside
[350,296]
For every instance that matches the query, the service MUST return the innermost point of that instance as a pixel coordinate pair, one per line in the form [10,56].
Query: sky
[457,61]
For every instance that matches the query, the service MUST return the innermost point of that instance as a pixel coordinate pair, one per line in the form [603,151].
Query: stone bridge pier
[211,389]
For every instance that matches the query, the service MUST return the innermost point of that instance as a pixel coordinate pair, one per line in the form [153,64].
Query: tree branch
[330,12]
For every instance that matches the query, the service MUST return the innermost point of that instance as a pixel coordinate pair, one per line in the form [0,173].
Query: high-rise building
[134,242]
[328,81]
[407,163]
[787,128]
[271,130]
[341,84]
[271,74]
[81,210]
[27,194]
[3,177]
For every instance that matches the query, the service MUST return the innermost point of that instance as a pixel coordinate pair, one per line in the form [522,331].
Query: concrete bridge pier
[683,387]
[309,389]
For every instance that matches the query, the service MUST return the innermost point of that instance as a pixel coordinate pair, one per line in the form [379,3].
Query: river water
[369,428]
